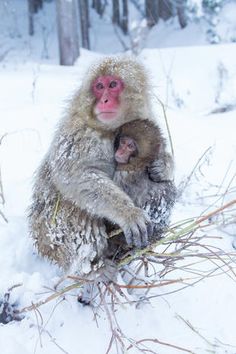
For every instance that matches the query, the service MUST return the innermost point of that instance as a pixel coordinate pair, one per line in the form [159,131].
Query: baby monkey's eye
[131,146]
[113,84]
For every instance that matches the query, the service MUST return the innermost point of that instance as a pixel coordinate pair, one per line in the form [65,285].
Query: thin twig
[193,226]
[167,125]
[184,184]
[216,211]
[51,297]
[154,285]
[163,343]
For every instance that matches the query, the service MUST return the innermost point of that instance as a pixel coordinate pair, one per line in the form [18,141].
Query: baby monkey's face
[127,148]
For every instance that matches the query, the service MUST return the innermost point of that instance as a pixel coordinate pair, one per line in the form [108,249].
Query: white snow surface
[192,82]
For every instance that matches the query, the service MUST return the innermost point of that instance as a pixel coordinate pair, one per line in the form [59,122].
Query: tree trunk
[38,4]
[33,7]
[84,23]
[182,14]
[125,17]
[152,12]
[166,9]
[97,4]
[115,12]
[31,17]
[87,13]
[67,31]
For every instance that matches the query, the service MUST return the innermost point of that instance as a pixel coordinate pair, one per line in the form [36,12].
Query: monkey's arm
[87,182]
[162,169]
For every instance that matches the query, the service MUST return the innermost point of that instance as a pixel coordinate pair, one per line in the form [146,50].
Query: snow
[192,79]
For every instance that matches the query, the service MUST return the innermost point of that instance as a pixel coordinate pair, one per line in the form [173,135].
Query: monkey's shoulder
[82,141]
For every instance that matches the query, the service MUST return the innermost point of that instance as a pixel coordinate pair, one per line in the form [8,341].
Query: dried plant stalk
[171,236]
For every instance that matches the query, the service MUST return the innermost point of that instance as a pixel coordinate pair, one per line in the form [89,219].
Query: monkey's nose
[105,97]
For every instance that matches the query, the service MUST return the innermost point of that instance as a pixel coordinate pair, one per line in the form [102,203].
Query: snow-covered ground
[196,84]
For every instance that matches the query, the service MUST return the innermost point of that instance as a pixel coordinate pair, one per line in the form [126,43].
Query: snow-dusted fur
[148,177]
[74,189]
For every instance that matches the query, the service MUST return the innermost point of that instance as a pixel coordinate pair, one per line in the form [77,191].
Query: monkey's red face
[126,149]
[107,90]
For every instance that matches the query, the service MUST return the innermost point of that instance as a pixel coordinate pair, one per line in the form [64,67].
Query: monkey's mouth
[122,160]
[106,116]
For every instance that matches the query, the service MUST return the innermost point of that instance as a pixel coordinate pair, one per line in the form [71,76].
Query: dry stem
[172,236]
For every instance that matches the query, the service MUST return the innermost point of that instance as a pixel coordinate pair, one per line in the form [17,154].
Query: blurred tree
[99,6]
[38,4]
[182,12]
[67,22]
[212,9]
[115,12]
[84,23]
[33,7]
[125,17]
[152,12]
[166,8]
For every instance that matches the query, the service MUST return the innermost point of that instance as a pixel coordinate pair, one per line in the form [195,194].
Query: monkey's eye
[123,142]
[131,146]
[113,84]
[99,86]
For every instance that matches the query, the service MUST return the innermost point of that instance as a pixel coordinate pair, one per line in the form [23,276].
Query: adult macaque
[144,171]
[74,189]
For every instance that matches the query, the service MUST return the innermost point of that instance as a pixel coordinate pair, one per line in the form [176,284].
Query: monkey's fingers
[128,236]
[143,227]
[139,234]
[144,234]
[136,236]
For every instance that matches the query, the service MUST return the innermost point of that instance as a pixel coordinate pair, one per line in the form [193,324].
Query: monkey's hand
[161,169]
[136,227]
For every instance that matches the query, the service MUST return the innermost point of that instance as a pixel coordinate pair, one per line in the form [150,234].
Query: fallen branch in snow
[51,297]
[223,108]
[1,190]
[183,249]
[175,234]
[187,322]
[162,343]
[3,216]
[2,198]
[120,339]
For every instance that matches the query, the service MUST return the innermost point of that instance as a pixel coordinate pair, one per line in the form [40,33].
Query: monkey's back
[62,231]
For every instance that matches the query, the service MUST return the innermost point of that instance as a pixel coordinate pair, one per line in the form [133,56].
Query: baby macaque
[144,171]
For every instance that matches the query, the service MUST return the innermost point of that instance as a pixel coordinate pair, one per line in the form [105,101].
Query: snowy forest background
[56,30]
[186,298]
